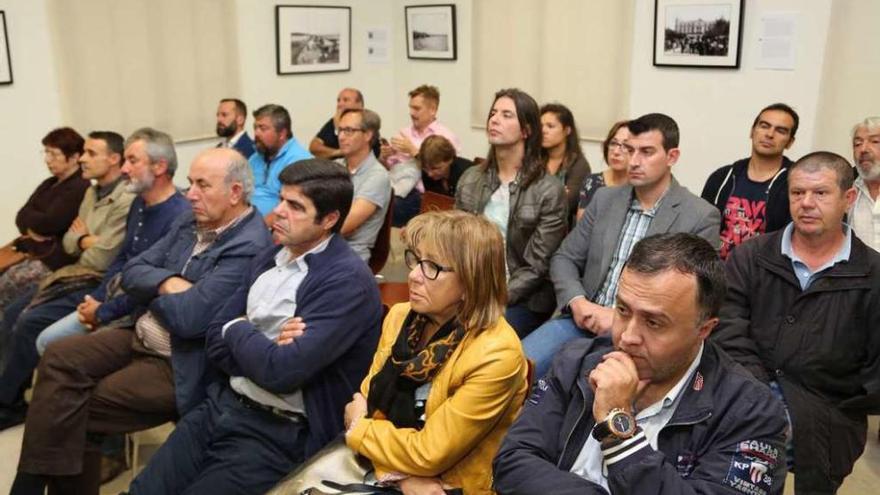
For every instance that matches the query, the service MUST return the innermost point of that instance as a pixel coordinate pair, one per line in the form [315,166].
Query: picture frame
[431,32]
[310,39]
[698,33]
[5,59]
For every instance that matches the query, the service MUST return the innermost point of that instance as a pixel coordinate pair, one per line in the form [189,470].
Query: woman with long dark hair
[561,151]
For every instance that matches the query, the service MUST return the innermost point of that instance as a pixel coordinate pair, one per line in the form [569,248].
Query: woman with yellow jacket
[449,375]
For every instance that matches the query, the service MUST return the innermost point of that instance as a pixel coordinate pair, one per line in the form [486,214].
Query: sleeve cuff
[619,454]
[229,324]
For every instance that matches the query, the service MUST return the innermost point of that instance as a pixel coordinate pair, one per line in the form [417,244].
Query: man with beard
[276,149]
[752,193]
[231,116]
[865,213]
[150,162]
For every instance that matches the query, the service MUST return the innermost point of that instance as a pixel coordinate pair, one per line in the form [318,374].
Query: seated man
[120,380]
[276,149]
[663,410]
[150,162]
[865,212]
[231,116]
[586,267]
[326,143]
[441,169]
[288,386]
[801,315]
[372,189]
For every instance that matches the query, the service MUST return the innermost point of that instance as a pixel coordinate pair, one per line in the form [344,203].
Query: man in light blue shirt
[276,149]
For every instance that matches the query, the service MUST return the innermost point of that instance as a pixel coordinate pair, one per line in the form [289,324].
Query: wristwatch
[619,424]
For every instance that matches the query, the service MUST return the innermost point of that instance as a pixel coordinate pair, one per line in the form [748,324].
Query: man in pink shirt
[399,155]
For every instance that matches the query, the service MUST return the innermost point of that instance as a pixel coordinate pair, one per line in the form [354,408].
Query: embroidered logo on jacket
[751,467]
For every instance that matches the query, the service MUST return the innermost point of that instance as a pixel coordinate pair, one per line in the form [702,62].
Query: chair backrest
[432,201]
[382,246]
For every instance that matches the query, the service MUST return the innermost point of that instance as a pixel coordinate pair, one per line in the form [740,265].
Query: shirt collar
[430,129]
[637,206]
[211,235]
[102,192]
[672,395]
[841,255]
[283,257]
[364,164]
[234,139]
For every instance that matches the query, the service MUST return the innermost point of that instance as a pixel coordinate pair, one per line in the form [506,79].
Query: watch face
[621,424]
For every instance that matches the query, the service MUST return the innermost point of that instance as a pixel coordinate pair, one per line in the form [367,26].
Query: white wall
[30,108]
[715,108]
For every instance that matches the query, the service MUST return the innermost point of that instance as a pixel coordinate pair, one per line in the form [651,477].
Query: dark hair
[782,107]
[65,139]
[816,160]
[279,115]
[656,122]
[527,113]
[428,92]
[573,150]
[687,254]
[327,184]
[115,142]
[240,107]
[611,133]
[435,149]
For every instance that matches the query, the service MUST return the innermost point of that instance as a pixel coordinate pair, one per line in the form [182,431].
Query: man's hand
[356,409]
[421,486]
[402,144]
[86,312]
[174,285]
[79,227]
[615,381]
[291,330]
[385,152]
[590,316]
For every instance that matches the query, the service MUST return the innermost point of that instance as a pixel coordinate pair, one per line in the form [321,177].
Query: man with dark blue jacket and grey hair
[296,339]
[658,409]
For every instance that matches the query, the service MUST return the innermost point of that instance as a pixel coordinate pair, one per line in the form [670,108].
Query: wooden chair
[379,253]
[432,201]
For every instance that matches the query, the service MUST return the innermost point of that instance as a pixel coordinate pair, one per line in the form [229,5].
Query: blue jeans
[523,319]
[222,447]
[65,327]
[546,341]
[406,208]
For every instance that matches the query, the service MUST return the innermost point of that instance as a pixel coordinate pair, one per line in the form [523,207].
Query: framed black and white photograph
[5,60]
[697,33]
[312,39]
[430,32]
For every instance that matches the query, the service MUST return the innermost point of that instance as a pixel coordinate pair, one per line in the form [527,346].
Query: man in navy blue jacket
[663,411]
[122,380]
[296,340]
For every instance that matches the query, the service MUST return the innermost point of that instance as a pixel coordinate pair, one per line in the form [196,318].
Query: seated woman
[449,376]
[561,151]
[616,157]
[515,192]
[46,215]
[441,169]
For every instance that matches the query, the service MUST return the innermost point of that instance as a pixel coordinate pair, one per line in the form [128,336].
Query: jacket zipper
[575,427]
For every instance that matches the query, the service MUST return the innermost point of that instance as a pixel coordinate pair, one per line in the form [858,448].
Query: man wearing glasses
[752,193]
[358,130]
[586,268]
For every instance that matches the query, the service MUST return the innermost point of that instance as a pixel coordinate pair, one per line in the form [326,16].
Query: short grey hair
[239,170]
[159,146]
[869,123]
[279,115]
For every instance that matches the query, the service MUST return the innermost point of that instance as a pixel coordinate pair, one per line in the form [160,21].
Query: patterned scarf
[392,389]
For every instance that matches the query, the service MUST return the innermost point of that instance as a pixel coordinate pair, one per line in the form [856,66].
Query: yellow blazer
[474,398]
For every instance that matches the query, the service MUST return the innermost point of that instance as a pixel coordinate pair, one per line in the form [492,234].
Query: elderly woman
[616,157]
[449,376]
[46,215]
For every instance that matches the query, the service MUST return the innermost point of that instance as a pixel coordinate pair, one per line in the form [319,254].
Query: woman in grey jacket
[513,190]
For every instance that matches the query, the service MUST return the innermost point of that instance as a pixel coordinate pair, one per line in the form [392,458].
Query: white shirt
[590,462]
[271,302]
[864,217]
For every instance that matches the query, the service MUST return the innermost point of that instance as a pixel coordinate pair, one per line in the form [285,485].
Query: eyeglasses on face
[348,131]
[430,269]
[619,145]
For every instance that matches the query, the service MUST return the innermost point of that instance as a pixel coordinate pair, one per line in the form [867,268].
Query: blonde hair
[474,249]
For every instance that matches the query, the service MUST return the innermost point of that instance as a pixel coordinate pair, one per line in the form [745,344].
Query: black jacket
[723,416]
[821,345]
[721,182]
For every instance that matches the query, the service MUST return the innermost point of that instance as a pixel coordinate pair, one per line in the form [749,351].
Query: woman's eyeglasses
[429,269]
